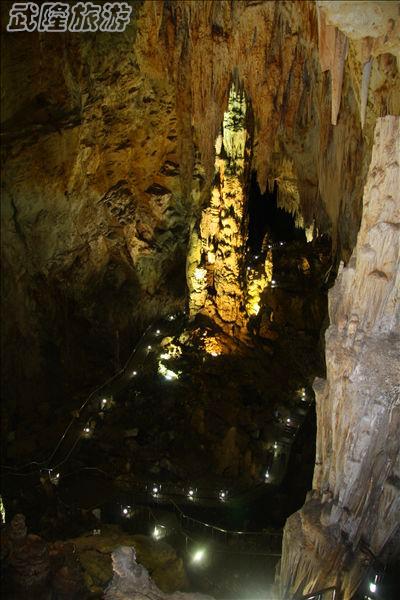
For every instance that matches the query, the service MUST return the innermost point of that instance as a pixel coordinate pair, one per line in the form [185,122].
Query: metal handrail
[318,594]
[220,529]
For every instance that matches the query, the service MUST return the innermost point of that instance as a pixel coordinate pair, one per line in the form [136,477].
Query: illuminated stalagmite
[216,258]
[219,284]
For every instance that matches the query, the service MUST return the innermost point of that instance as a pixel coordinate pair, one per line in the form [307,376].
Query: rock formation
[131,581]
[109,158]
[37,569]
[354,507]
[28,558]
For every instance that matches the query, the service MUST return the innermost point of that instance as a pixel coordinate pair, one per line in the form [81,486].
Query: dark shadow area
[265,218]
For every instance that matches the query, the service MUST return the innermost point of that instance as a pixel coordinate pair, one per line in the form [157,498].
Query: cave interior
[200,277]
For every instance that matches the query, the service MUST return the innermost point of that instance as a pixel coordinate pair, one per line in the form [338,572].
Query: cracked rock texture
[355,502]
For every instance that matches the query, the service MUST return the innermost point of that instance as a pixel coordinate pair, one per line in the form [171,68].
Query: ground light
[134,373]
[198,555]
[2,511]
[159,532]
[223,495]
[372,585]
[267,476]
[191,493]
[155,490]
[54,477]
[126,511]
[87,430]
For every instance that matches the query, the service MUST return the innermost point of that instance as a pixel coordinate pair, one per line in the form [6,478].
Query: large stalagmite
[354,507]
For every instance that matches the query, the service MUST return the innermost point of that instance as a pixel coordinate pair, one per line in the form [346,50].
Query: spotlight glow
[148,347]
[267,475]
[54,477]
[158,332]
[199,273]
[2,510]
[167,373]
[126,511]
[199,555]
[372,587]
[134,373]
[159,532]
[223,495]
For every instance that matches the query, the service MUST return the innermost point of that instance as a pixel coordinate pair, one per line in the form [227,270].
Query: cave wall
[353,509]
[349,524]
[108,158]
[94,218]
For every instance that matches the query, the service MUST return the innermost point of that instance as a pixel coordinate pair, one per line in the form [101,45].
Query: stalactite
[337,70]
[364,90]
[326,41]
